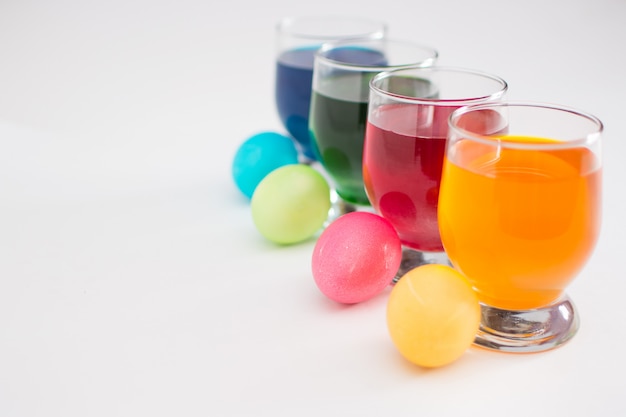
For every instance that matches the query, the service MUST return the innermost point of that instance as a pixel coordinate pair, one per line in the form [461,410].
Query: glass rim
[439,101]
[586,139]
[433,55]
[286,25]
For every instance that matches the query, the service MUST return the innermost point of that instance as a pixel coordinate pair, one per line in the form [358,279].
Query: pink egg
[356,257]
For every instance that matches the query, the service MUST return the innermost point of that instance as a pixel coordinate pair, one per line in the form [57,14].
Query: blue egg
[259,155]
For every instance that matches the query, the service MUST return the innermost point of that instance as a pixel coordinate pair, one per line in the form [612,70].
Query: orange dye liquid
[519,224]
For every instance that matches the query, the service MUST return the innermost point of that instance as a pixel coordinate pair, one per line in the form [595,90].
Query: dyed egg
[356,257]
[259,155]
[290,204]
[433,315]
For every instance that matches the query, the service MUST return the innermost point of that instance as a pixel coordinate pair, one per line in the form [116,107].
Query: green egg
[290,204]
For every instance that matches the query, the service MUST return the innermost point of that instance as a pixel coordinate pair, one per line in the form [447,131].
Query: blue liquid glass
[294,75]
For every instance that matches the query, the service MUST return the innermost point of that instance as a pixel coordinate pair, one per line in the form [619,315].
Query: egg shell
[356,257]
[259,155]
[433,315]
[291,204]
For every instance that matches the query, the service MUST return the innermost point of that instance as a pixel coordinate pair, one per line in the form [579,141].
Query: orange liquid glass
[519,223]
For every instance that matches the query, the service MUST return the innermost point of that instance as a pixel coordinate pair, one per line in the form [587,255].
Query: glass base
[306,159]
[339,207]
[412,258]
[527,331]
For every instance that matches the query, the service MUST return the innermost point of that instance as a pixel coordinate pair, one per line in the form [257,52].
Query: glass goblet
[298,38]
[339,103]
[519,215]
[405,141]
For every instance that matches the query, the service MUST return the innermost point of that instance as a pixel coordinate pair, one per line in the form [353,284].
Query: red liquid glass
[402,164]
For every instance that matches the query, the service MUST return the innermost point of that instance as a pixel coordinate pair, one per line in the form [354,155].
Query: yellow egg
[433,315]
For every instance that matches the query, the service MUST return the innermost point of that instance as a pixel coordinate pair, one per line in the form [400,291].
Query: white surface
[132,280]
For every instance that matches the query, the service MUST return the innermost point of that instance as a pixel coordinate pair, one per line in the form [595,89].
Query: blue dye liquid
[294,76]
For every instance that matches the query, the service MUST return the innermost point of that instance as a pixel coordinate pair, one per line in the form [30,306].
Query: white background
[132,279]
